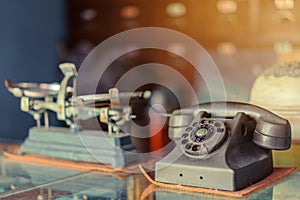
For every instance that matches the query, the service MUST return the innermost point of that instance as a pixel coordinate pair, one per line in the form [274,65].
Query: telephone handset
[232,140]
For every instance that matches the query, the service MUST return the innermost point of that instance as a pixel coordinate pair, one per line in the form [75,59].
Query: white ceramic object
[278,89]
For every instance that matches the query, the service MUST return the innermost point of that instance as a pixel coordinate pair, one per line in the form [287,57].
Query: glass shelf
[34,181]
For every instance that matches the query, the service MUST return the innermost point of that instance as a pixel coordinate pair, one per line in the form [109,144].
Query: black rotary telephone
[231,140]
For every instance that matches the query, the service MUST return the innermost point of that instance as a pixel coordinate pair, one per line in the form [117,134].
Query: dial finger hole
[189,129]
[217,124]
[220,129]
[196,147]
[196,124]
[184,141]
[188,146]
[185,135]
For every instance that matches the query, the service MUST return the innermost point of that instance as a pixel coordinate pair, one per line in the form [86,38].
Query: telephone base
[212,173]
[85,146]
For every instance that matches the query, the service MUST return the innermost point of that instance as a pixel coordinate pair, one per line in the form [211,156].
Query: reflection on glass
[266,194]
[19,180]
[288,189]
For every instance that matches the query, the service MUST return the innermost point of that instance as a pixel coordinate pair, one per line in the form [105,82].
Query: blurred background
[30,34]
[243,37]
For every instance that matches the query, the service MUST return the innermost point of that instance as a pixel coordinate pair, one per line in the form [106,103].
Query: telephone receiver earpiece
[271,131]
